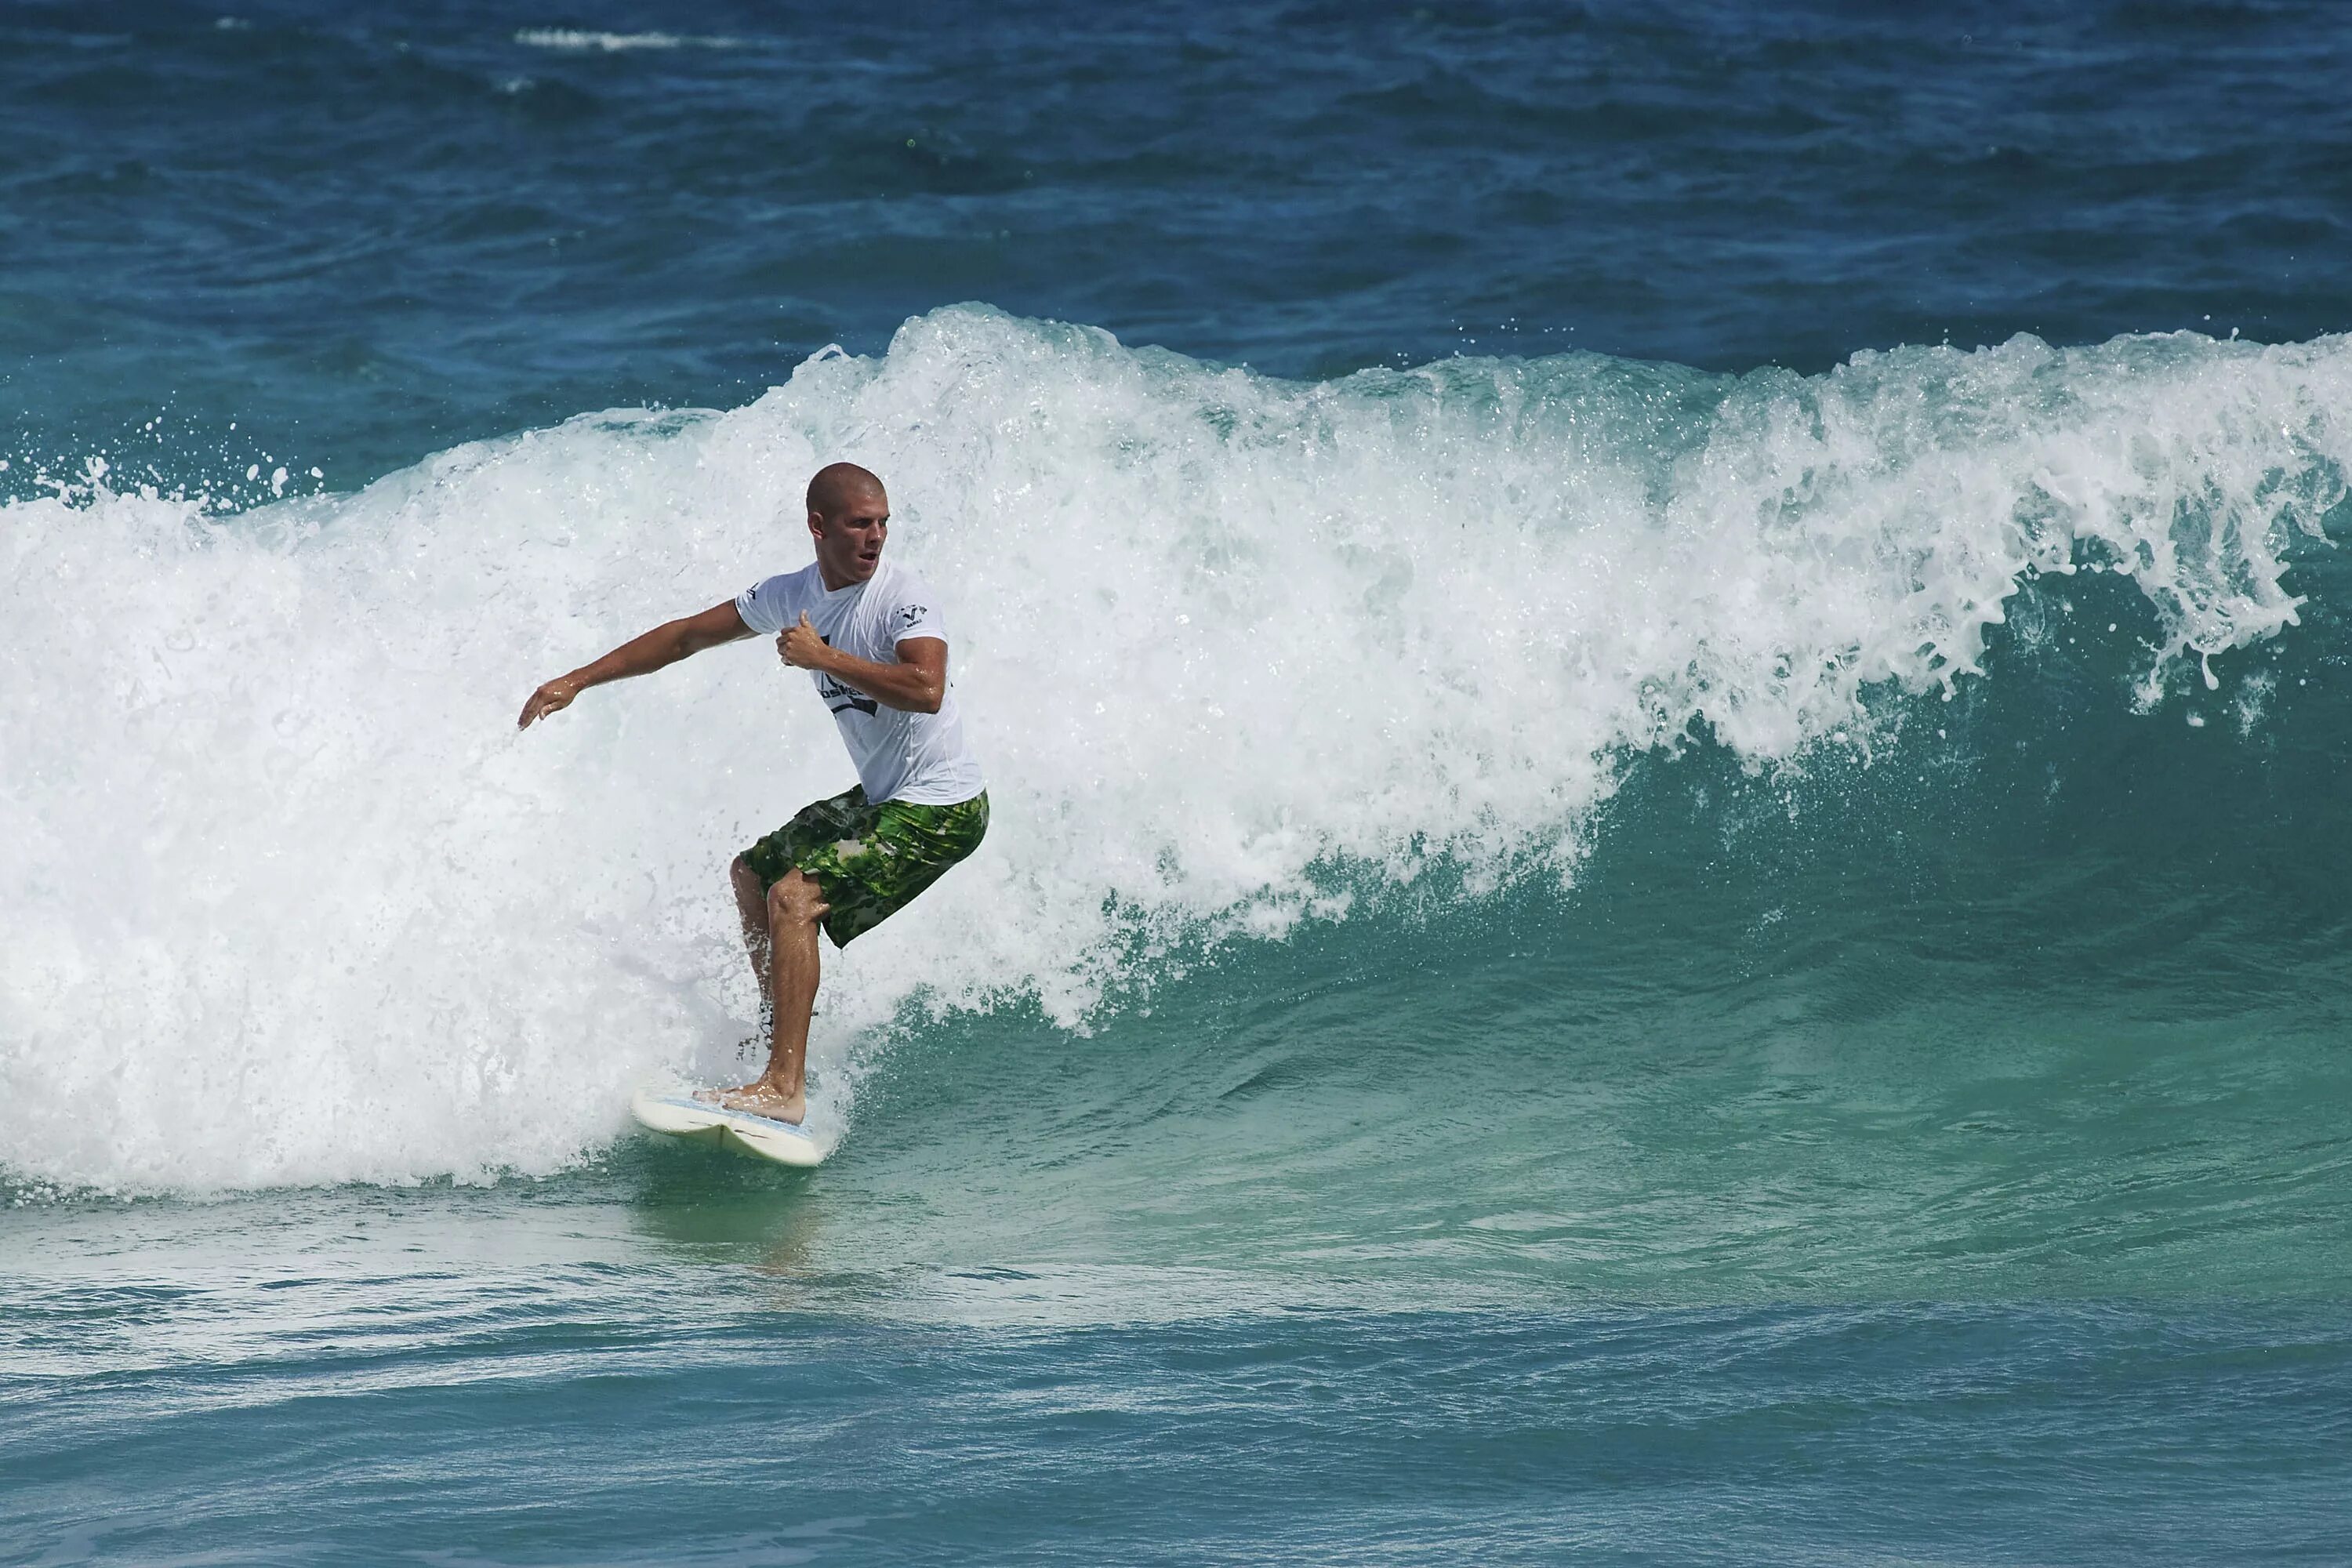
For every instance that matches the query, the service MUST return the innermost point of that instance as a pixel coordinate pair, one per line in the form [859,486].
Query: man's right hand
[552,698]
[665,644]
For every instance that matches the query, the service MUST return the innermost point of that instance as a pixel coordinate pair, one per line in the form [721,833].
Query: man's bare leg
[794,905]
[751,903]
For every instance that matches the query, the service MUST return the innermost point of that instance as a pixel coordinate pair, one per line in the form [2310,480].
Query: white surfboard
[677,1112]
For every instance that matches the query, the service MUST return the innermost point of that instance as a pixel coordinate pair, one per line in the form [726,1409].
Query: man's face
[850,542]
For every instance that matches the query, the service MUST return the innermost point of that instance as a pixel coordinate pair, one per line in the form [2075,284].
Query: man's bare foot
[760,1099]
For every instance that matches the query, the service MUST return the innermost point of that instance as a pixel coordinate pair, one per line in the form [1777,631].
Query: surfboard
[677,1112]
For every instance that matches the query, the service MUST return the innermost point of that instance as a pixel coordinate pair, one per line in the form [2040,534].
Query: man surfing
[872,638]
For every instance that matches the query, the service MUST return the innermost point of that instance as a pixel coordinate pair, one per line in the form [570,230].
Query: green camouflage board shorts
[869,859]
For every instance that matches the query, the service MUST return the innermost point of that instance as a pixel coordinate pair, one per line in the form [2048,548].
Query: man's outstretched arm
[665,644]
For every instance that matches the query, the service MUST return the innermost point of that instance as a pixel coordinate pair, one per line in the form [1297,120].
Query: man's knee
[795,896]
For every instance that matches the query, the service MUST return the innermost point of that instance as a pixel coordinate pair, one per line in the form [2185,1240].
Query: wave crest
[288,901]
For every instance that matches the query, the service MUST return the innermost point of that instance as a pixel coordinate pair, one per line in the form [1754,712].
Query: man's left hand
[801,647]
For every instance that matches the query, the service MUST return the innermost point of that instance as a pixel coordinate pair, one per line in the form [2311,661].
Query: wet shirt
[916,757]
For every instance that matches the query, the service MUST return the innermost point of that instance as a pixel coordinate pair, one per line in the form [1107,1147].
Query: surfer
[871,638]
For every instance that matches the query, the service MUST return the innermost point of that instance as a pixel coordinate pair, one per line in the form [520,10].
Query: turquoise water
[653,1365]
[1669,887]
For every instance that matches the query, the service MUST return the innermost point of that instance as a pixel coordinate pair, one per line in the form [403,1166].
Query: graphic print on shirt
[838,697]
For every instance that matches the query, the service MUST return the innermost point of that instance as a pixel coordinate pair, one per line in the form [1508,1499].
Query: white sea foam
[284,899]
[577,40]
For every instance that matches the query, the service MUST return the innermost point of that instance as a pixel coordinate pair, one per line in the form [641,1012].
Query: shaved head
[849,518]
[836,485]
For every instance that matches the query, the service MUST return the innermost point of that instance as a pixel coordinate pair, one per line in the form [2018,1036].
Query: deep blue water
[1664,689]
[365,235]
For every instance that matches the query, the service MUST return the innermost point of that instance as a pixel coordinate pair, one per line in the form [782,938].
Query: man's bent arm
[917,683]
[665,644]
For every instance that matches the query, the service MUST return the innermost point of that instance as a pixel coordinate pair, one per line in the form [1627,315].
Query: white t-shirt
[914,757]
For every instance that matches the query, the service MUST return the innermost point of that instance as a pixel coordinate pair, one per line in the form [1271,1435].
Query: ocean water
[1666,691]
